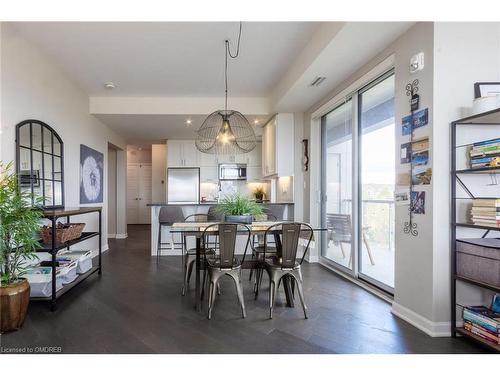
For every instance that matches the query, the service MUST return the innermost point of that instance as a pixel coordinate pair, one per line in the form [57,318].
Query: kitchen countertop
[211,204]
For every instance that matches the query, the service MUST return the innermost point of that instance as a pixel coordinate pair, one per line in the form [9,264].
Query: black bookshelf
[54,247]
[490,118]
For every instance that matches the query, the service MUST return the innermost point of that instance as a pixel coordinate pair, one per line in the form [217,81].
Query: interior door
[132,194]
[145,192]
[139,192]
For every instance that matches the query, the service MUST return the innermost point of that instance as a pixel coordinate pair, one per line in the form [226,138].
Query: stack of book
[482,322]
[482,153]
[486,212]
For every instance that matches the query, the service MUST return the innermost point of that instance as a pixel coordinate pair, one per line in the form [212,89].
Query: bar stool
[167,216]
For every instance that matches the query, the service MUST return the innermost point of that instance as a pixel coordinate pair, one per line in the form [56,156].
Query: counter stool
[167,216]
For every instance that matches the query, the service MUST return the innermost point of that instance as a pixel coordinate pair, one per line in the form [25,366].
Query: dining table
[196,229]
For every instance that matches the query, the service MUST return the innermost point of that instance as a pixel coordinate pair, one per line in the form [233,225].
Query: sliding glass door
[358,183]
[377,181]
[336,129]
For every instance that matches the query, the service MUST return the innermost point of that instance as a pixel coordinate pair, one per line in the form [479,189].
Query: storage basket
[40,279]
[479,259]
[64,232]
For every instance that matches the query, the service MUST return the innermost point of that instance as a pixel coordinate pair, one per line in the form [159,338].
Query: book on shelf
[483,316]
[486,203]
[481,332]
[486,142]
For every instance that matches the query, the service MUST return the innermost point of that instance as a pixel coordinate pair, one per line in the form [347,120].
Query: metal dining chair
[166,217]
[189,255]
[287,264]
[224,261]
[258,252]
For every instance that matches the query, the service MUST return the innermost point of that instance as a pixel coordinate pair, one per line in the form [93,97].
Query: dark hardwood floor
[136,307]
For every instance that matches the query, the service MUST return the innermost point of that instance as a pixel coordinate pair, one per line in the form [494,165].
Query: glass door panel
[377,183]
[336,135]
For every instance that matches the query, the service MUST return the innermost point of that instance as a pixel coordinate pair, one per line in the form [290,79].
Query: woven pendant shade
[226,132]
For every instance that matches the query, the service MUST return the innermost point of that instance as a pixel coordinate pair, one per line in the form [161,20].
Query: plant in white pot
[239,209]
[19,223]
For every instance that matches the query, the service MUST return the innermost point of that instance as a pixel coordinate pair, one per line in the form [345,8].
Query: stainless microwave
[232,172]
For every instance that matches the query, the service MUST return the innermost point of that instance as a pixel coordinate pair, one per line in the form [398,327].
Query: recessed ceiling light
[109,85]
[188,122]
[256,122]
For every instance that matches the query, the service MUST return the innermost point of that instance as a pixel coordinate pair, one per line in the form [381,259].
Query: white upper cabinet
[182,154]
[278,146]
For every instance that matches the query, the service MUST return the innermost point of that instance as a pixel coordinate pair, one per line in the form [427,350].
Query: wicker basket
[64,232]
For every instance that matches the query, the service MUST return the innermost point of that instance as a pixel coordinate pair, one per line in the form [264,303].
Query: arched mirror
[40,161]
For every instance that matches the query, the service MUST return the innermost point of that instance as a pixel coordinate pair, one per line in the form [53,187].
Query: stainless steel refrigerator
[183,185]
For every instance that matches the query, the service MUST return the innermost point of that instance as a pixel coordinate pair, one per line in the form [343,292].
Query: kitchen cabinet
[254,174]
[182,154]
[278,146]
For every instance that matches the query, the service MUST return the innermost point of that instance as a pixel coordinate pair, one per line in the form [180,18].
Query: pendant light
[226,131]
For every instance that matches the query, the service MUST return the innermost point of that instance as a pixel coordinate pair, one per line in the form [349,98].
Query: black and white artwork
[91,175]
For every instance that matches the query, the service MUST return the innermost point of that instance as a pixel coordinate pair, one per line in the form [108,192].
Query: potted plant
[258,193]
[19,223]
[239,209]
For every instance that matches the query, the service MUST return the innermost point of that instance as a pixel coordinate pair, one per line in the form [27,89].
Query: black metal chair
[189,255]
[286,264]
[224,261]
[166,217]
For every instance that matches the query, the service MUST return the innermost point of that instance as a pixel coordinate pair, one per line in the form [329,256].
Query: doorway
[139,185]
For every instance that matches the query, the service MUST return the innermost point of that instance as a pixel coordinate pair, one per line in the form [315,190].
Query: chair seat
[215,263]
[270,250]
[193,251]
[275,262]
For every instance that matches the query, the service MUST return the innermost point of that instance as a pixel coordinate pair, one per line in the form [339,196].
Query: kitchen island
[189,209]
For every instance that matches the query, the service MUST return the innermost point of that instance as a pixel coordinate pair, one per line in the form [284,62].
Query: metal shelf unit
[53,248]
[488,118]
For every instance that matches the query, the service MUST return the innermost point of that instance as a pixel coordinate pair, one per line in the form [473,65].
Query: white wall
[111,192]
[464,53]
[139,156]
[32,86]
[159,170]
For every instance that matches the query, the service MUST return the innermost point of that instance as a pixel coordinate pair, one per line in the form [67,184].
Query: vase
[14,300]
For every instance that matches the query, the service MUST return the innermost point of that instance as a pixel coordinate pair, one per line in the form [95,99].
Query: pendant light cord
[228,53]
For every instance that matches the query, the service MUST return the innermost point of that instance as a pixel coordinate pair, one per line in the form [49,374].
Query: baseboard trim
[121,236]
[433,329]
[111,235]
[95,252]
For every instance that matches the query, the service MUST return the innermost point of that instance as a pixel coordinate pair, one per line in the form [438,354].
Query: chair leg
[159,245]
[251,270]
[342,249]
[203,285]
[190,270]
[301,295]
[185,279]
[239,291]
[272,295]
[211,298]
[368,249]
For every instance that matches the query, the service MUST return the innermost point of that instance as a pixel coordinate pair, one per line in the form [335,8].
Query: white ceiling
[171,58]
[177,61]
[140,129]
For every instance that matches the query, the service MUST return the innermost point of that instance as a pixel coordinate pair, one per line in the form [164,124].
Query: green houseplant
[239,209]
[19,223]
[258,193]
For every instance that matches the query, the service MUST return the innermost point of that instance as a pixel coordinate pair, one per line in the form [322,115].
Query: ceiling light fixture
[317,81]
[109,86]
[226,131]
[256,122]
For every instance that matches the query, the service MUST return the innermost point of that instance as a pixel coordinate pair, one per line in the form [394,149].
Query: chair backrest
[276,212]
[290,233]
[226,233]
[196,218]
[214,215]
[340,227]
[171,214]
